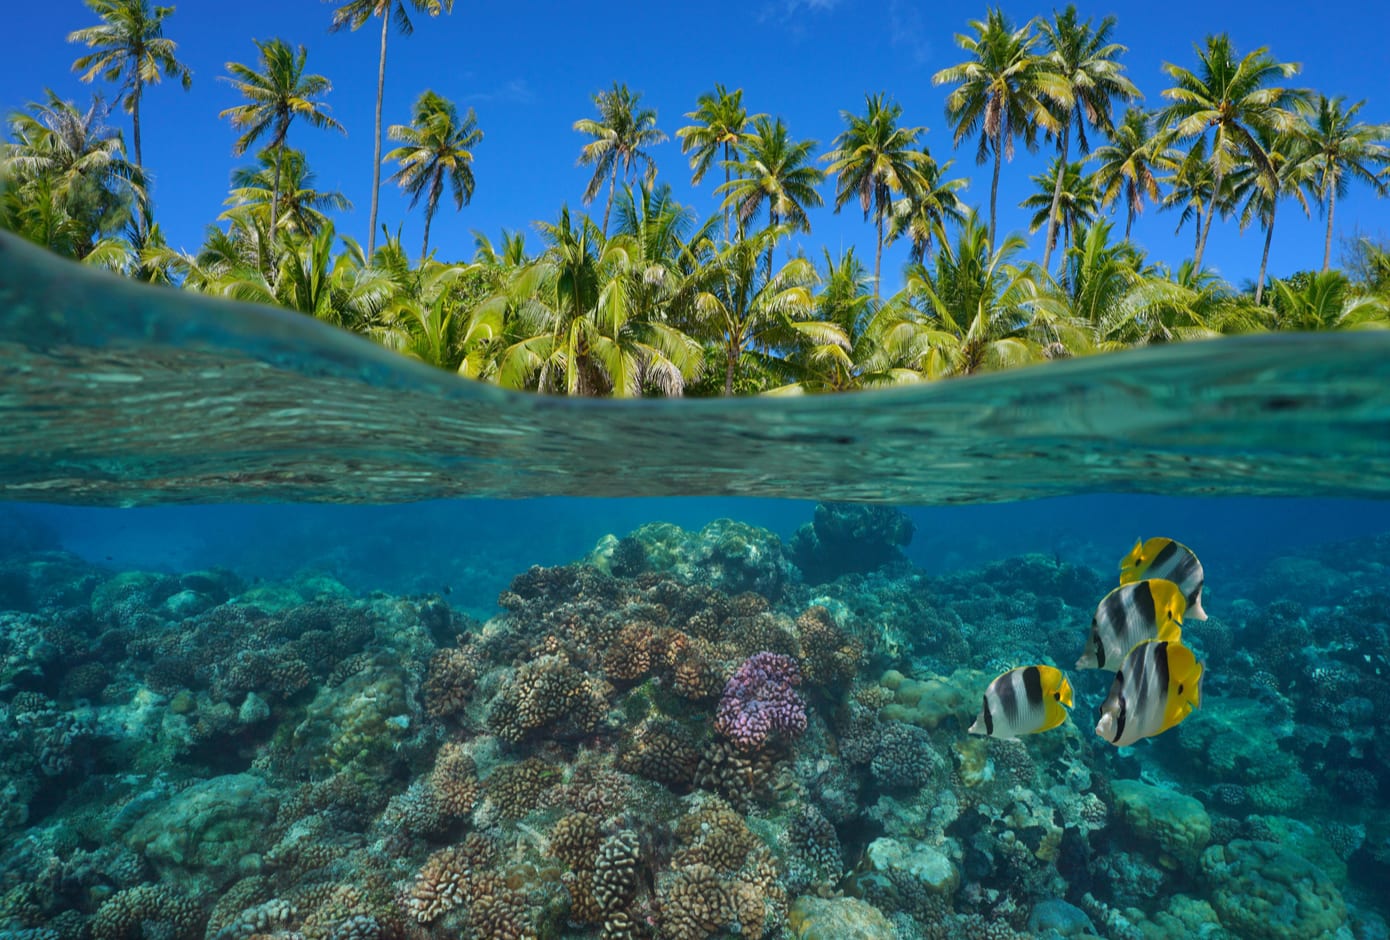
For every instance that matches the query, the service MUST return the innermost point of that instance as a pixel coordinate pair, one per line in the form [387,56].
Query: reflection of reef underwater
[676,738]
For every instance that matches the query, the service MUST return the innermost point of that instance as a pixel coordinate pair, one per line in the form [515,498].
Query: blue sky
[530,69]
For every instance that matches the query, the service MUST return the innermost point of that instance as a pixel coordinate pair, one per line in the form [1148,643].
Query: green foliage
[665,305]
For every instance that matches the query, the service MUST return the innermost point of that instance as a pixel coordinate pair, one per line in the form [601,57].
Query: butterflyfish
[1158,685]
[1172,561]
[1022,701]
[1130,614]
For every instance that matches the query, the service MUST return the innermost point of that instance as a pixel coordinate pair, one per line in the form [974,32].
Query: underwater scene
[301,640]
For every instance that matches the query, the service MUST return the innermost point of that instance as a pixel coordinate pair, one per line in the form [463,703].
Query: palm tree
[922,213]
[777,171]
[621,135]
[1078,205]
[1233,99]
[301,208]
[354,14]
[1128,162]
[436,148]
[722,128]
[974,304]
[1327,301]
[1080,78]
[130,48]
[748,313]
[277,94]
[68,176]
[872,159]
[1289,156]
[1344,149]
[1191,185]
[997,93]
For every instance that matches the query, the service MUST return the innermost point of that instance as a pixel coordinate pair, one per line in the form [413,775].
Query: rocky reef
[684,735]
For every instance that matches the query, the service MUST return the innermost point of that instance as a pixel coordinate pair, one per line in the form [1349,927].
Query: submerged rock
[916,862]
[1058,918]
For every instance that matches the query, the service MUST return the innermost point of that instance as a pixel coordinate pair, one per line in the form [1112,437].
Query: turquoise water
[298,639]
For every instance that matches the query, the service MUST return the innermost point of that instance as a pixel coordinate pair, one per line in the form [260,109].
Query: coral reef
[685,735]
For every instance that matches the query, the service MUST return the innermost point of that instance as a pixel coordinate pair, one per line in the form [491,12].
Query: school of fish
[1136,633]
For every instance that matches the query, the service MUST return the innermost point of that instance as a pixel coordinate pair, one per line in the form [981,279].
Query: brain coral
[1264,892]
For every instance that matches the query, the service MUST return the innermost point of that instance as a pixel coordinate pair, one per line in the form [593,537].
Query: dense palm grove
[650,299]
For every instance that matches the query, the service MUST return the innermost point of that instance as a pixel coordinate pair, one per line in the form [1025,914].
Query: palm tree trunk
[1198,232]
[1327,239]
[994,190]
[771,224]
[266,268]
[731,362]
[878,255]
[139,159]
[1129,220]
[1264,259]
[1056,197]
[1211,214]
[436,190]
[376,141]
[612,185]
[727,236]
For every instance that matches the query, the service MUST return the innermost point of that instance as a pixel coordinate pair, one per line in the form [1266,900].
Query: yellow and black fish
[1024,701]
[1158,685]
[1172,561]
[1130,614]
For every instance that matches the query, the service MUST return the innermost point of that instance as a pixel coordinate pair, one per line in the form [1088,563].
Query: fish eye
[1058,695]
[1180,688]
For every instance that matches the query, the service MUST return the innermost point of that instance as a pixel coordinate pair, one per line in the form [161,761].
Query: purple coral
[759,700]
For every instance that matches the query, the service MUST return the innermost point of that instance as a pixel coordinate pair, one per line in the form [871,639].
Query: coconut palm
[1080,79]
[355,14]
[131,49]
[67,176]
[777,171]
[1234,99]
[997,93]
[749,314]
[921,214]
[975,304]
[1344,149]
[1255,196]
[721,129]
[1327,301]
[622,133]
[1191,187]
[1078,204]
[301,208]
[873,159]
[277,94]
[1127,164]
[437,148]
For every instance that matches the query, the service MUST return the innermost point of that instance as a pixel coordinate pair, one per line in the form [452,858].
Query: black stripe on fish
[1120,716]
[1032,685]
[989,718]
[1100,647]
[1008,699]
[1165,554]
[1144,602]
[1160,651]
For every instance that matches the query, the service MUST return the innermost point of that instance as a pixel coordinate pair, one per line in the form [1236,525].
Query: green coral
[1176,823]
[1262,891]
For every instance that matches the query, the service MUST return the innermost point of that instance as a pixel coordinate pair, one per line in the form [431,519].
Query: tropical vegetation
[652,299]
